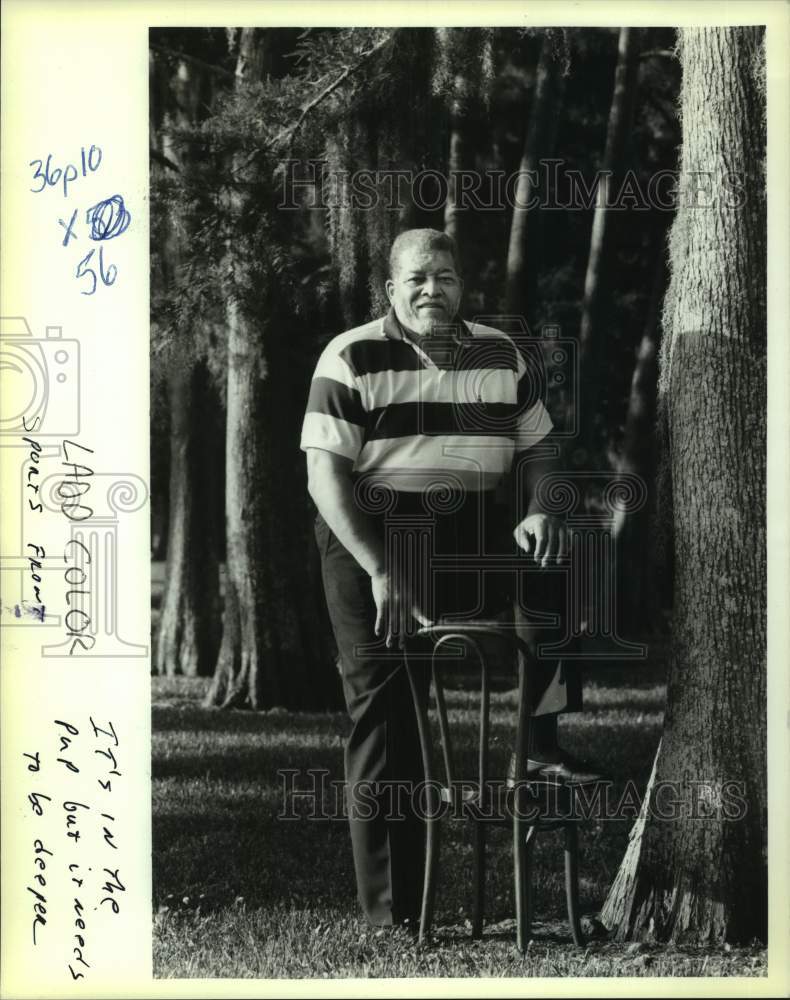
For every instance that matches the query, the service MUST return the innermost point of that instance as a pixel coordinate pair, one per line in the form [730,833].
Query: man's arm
[547,531]
[330,485]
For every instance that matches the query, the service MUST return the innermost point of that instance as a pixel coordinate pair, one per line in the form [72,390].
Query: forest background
[573,137]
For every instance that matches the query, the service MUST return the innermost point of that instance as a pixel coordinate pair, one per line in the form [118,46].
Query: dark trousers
[382,754]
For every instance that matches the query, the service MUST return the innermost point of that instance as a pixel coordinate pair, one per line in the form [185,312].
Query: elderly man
[415,420]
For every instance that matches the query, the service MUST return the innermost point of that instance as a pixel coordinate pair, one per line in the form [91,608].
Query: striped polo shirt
[448,411]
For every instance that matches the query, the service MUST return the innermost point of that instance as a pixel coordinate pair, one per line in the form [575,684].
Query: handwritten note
[78,886]
[75,781]
[106,220]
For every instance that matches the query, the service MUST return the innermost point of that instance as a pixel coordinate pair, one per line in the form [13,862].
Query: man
[412,424]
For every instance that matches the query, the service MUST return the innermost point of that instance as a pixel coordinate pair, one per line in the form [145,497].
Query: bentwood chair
[525,802]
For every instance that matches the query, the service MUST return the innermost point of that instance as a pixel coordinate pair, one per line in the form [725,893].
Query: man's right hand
[331,487]
[396,609]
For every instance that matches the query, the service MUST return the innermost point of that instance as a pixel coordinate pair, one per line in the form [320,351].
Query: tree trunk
[463,59]
[271,653]
[381,222]
[701,875]
[189,626]
[620,117]
[524,251]
[347,151]
[459,153]
[247,672]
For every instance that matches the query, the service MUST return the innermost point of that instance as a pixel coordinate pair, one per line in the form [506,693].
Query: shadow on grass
[198,719]
[246,851]
[247,764]
[219,836]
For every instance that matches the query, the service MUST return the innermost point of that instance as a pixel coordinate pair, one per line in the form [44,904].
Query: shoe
[568,770]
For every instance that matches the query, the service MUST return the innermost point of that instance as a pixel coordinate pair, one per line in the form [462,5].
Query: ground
[239,893]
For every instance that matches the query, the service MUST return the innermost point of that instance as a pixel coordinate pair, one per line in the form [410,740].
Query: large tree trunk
[189,625]
[620,116]
[271,653]
[524,250]
[704,880]
[247,672]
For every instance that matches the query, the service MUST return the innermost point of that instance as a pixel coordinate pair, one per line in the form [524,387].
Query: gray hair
[423,239]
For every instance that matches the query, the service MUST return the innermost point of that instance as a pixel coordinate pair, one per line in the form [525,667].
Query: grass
[240,893]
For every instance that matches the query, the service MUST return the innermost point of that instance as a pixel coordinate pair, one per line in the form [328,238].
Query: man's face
[425,290]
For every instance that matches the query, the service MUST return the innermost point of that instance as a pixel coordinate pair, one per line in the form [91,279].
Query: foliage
[381,99]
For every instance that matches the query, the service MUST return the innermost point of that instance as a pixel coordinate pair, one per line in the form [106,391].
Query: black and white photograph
[458,459]
[394,542]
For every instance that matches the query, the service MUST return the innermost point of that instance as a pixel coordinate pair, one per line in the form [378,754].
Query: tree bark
[523,255]
[271,653]
[458,159]
[189,625]
[347,151]
[620,118]
[703,878]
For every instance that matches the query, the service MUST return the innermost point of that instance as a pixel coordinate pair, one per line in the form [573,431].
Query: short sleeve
[533,422]
[334,419]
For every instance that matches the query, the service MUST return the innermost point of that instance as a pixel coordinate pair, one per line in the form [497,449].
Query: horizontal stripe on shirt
[320,430]
[404,419]
[476,385]
[452,454]
[331,433]
[366,357]
[336,400]
[438,481]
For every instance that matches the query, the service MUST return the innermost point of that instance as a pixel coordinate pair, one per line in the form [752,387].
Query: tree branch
[660,53]
[225,74]
[164,160]
[347,72]
[290,132]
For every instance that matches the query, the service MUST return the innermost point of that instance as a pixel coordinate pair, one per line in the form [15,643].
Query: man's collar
[392,329]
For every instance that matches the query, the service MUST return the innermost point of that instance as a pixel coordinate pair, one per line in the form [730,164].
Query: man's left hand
[549,535]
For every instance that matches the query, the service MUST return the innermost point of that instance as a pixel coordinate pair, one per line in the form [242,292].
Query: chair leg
[519,875]
[523,854]
[572,881]
[483,793]
[480,879]
[432,842]
[522,831]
